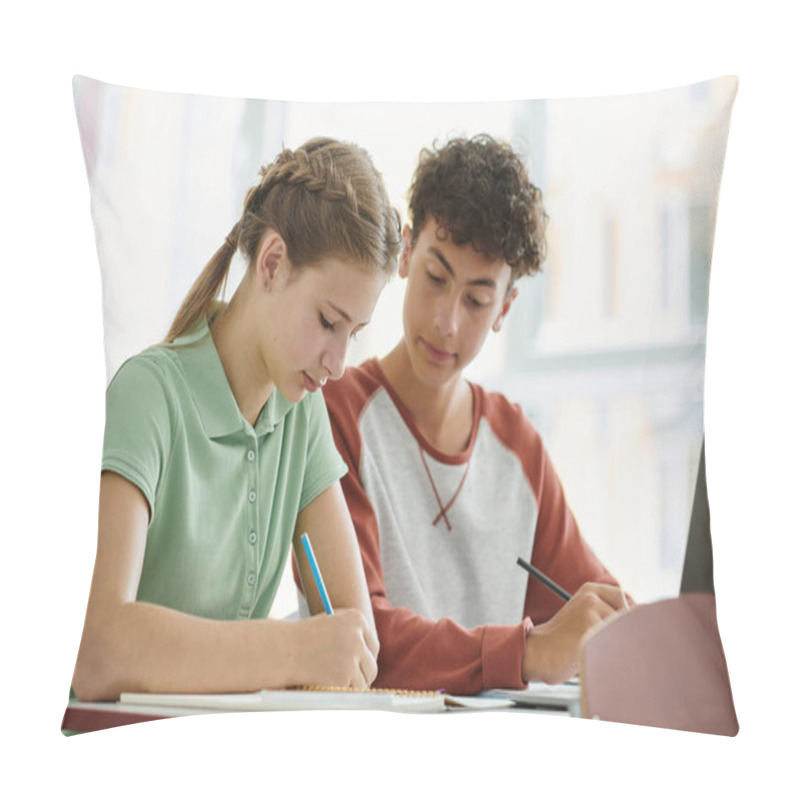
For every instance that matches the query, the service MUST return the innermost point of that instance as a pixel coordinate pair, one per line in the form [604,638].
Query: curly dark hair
[478,191]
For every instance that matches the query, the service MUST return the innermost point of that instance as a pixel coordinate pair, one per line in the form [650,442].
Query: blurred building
[605,350]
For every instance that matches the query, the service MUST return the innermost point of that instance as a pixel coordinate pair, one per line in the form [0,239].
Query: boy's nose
[447,317]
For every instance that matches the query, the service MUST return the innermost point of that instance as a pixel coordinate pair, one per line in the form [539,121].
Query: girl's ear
[272,254]
[498,323]
[402,266]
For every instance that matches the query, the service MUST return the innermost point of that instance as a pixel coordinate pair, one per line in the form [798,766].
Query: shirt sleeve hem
[502,651]
[317,486]
[130,473]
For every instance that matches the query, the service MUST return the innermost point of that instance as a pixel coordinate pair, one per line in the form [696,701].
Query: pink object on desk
[660,664]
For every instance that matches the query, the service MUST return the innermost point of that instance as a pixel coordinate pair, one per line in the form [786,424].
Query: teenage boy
[448,484]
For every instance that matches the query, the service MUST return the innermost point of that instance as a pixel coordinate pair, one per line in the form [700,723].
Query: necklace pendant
[443,509]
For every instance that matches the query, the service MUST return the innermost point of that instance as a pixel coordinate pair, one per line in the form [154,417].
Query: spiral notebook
[312,698]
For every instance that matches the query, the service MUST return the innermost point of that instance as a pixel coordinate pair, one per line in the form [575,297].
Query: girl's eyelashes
[329,326]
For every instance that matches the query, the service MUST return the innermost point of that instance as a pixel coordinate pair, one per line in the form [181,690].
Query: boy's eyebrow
[488,282]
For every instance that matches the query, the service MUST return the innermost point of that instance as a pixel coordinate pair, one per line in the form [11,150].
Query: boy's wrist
[528,654]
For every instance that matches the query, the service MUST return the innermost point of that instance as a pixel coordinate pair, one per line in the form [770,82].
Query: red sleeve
[415,652]
[559,550]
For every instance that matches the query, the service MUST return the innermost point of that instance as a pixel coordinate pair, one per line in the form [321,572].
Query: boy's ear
[271,254]
[402,266]
[498,323]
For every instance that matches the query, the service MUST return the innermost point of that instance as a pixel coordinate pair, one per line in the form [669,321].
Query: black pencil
[540,576]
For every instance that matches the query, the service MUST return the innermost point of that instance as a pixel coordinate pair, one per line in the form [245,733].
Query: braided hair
[325,199]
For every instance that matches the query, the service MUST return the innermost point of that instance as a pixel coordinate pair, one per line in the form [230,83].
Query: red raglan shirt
[440,535]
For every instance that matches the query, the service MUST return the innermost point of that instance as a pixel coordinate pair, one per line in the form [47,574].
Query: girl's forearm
[147,648]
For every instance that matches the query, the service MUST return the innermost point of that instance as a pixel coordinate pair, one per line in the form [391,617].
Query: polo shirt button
[252,537]
[252,496]
[251,579]
[251,455]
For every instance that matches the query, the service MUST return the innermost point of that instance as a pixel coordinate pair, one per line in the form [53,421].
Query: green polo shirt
[224,495]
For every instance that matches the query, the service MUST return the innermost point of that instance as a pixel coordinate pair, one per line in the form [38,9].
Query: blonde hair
[325,199]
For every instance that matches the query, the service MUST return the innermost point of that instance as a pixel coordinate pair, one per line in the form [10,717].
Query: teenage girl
[218,454]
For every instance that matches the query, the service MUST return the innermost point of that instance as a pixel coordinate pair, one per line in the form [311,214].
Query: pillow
[605,351]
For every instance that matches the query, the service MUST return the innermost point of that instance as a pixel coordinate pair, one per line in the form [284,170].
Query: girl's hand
[337,650]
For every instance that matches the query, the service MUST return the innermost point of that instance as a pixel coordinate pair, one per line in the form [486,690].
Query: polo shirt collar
[211,392]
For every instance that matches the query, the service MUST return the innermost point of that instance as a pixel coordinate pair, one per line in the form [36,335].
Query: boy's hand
[551,649]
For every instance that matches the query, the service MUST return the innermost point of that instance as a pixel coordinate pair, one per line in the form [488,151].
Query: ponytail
[207,287]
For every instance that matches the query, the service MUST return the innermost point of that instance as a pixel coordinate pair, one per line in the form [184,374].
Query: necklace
[443,509]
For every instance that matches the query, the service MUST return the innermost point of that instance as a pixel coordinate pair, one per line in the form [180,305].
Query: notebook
[311,699]
[558,697]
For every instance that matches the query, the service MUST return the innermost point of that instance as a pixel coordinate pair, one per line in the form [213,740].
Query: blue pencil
[323,592]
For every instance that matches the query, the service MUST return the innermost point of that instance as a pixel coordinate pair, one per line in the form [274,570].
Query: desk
[85,717]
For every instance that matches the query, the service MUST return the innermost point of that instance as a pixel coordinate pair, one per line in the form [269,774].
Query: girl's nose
[333,360]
